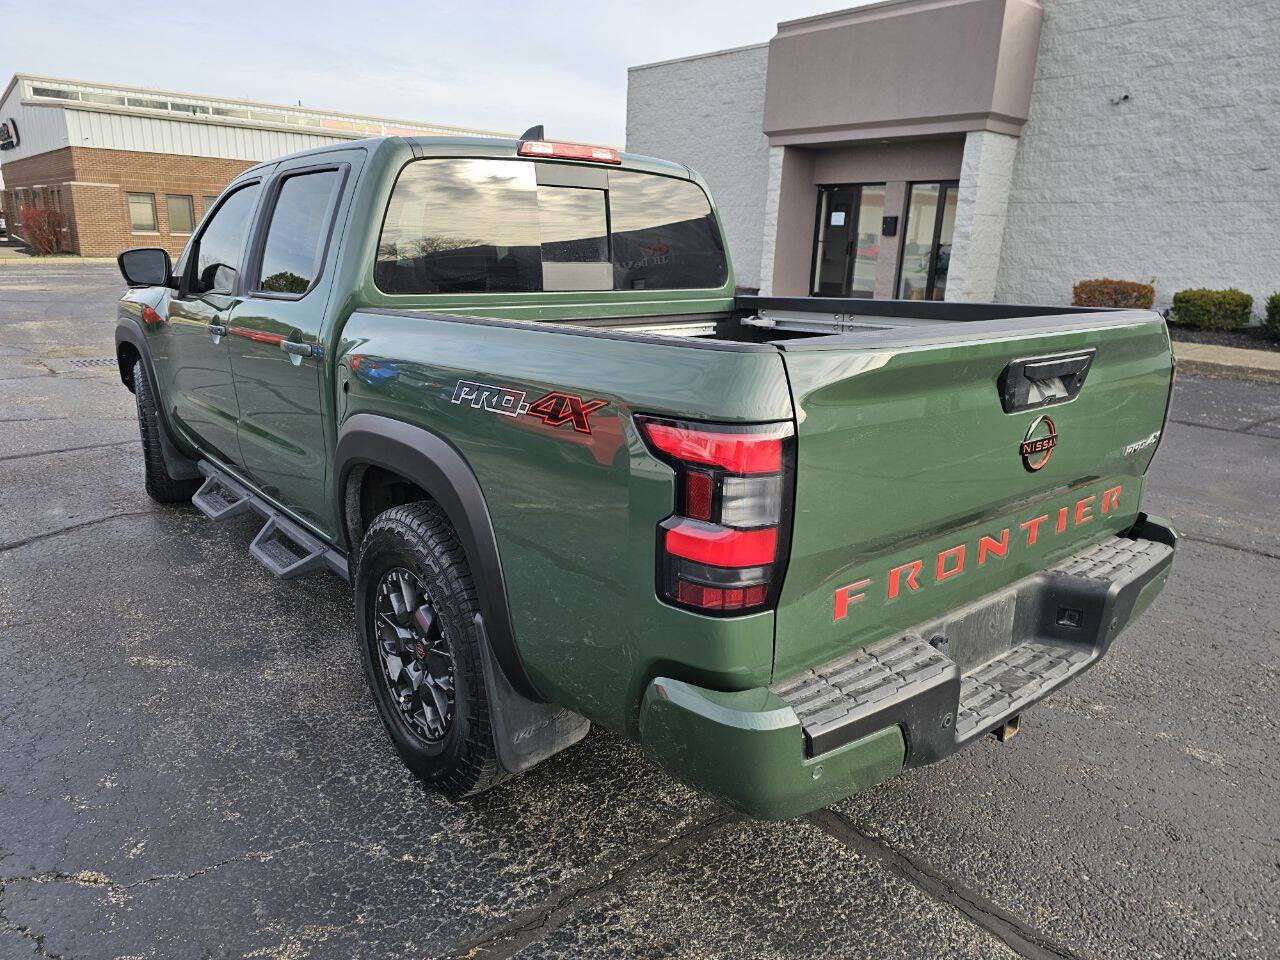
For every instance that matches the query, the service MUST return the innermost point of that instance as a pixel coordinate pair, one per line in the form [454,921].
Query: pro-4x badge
[554,409]
[1037,444]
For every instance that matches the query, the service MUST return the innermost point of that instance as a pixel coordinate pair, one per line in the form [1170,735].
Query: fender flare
[429,461]
[179,465]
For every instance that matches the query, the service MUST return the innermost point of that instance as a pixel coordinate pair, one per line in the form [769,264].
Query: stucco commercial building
[127,167]
[987,149]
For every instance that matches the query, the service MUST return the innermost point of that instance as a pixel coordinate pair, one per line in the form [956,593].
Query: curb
[1228,371]
[46,261]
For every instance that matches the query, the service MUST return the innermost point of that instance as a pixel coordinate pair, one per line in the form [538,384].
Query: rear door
[276,330]
[921,486]
[202,398]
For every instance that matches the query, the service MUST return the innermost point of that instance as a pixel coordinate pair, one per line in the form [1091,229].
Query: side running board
[220,497]
[282,546]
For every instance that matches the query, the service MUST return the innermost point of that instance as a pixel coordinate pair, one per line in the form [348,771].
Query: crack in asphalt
[1242,430]
[508,940]
[1227,544]
[47,453]
[1010,930]
[72,528]
[12,926]
[90,878]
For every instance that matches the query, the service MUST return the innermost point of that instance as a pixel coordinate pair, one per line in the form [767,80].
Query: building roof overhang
[902,68]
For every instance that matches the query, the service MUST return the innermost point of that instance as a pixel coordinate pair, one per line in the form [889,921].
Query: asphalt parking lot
[190,765]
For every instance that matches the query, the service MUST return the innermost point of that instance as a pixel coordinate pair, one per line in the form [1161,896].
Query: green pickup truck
[505,388]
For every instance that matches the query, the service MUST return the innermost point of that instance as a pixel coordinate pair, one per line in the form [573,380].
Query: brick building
[987,149]
[127,167]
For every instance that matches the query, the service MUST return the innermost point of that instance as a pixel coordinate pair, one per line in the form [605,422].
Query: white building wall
[708,112]
[117,131]
[1180,182]
[39,128]
[769,231]
[982,202]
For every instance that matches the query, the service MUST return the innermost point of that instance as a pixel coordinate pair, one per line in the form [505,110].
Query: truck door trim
[434,465]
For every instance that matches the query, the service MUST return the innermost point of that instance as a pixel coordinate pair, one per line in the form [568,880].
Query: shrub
[1212,309]
[1113,293]
[1273,315]
[40,228]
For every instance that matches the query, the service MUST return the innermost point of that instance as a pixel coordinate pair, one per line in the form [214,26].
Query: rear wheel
[161,487]
[415,604]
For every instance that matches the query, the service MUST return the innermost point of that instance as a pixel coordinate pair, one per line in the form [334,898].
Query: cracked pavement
[190,765]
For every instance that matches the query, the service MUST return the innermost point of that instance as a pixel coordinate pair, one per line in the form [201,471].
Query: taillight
[722,550]
[568,151]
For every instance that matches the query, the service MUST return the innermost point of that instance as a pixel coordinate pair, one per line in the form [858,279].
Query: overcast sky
[496,65]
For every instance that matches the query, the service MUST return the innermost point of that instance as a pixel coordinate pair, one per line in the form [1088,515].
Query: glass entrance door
[847,240]
[926,241]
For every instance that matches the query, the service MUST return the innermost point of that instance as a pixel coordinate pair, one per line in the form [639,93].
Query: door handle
[1043,381]
[217,331]
[297,350]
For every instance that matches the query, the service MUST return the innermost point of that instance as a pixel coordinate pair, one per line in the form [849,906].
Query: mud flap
[524,732]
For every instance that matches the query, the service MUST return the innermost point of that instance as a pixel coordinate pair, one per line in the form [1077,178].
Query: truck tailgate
[918,492]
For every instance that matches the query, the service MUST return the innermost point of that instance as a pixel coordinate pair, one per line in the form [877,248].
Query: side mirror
[146,267]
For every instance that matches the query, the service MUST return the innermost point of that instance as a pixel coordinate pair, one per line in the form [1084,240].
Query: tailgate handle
[1043,381]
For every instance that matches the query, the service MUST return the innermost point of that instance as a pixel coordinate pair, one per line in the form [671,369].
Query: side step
[282,546]
[219,497]
[285,549]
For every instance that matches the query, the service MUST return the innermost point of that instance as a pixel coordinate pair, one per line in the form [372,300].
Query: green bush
[1113,293]
[1273,315]
[1212,309]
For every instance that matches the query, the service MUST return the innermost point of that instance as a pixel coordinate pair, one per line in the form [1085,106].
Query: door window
[847,240]
[926,241]
[220,248]
[298,231]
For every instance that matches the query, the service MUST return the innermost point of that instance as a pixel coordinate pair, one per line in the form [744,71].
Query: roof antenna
[534,133]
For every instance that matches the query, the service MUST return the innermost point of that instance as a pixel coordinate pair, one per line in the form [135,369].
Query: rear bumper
[909,700]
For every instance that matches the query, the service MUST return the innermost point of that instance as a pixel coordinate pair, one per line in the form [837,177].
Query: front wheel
[161,486]
[415,604]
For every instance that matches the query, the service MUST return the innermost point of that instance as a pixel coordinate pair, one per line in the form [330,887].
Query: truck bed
[794,322]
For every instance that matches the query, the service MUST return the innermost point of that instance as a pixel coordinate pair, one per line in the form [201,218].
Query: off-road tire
[161,487]
[418,537]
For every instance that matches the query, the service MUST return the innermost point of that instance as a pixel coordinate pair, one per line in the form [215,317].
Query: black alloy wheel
[417,664]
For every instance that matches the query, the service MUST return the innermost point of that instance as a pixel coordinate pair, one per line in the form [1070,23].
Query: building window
[142,212]
[208,203]
[182,216]
[299,228]
[926,241]
[54,93]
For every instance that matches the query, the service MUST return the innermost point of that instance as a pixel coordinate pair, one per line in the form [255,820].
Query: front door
[202,396]
[276,334]
[847,240]
[926,241]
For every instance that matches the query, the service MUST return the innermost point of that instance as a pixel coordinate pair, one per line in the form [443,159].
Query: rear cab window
[499,226]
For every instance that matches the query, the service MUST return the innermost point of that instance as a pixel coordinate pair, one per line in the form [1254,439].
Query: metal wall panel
[40,129]
[113,131]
